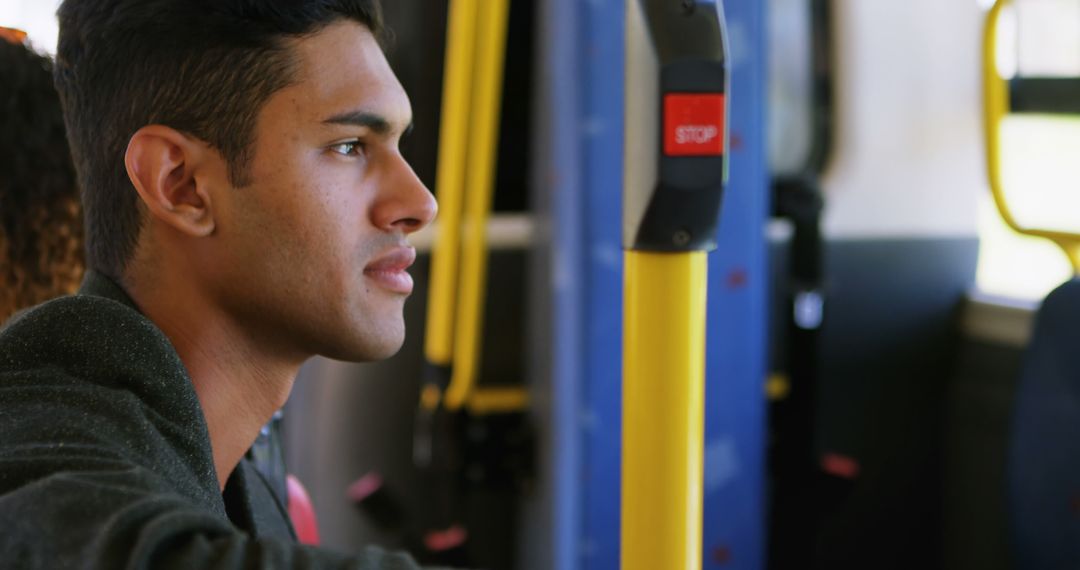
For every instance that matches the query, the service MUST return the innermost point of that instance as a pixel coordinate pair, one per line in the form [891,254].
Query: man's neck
[239,385]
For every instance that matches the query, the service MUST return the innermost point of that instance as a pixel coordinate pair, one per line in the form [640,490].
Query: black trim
[684,210]
[1049,95]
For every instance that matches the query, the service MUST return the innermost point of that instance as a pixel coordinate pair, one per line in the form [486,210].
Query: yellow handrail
[996,106]
[663,410]
[486,107]
[498,401]
[450,183]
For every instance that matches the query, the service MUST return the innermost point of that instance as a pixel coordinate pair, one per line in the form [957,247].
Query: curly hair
[41,228]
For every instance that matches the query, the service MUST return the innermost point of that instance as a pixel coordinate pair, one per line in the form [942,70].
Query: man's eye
[348,148]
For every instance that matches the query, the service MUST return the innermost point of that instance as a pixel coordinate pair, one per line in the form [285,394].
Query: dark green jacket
[105,458]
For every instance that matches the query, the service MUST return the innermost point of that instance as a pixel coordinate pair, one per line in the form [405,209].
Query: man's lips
[390,270]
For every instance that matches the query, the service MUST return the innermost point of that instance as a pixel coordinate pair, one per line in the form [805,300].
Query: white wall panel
[908,158]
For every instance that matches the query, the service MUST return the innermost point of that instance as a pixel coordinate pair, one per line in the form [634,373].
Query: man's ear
[161,163]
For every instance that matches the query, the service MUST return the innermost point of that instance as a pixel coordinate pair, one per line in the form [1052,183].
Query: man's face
[312,253]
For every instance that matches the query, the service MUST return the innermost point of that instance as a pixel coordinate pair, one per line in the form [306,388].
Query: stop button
[694,124]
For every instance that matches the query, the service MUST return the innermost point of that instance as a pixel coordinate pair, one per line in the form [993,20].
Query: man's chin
[369,350]
[383,353]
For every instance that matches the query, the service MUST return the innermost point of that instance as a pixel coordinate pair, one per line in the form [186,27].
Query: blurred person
[246,207]
[41,235]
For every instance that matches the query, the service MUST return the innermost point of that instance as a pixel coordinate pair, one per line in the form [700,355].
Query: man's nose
[405,204]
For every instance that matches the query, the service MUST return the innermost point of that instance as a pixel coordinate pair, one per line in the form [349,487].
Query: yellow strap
[487,98]
[663,410]
[995,107]
[450,179]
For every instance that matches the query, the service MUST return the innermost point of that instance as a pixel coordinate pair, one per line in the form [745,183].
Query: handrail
[468,138]
[490,56]
[450,181]
[996,106]
[793,388]
[821,49]
[676,82]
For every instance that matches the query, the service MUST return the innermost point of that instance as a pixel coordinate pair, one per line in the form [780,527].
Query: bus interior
[888,376]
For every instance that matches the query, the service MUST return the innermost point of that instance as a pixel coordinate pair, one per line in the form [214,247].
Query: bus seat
[302,512]
[1044,454]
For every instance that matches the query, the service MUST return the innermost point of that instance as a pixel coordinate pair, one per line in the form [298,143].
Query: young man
[246,208]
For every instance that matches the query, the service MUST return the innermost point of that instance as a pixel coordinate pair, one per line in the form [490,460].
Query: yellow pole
[663,410]
[995,108]
[450,183]
[490,56]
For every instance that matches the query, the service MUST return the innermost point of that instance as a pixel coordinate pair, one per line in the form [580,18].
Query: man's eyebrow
[377,123]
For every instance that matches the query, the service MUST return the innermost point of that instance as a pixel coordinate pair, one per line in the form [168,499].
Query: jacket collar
[98,284]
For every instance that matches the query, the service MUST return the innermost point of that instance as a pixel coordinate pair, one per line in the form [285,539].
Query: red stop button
[694,124]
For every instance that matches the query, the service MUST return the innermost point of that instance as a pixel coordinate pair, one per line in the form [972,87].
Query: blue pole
[735,423]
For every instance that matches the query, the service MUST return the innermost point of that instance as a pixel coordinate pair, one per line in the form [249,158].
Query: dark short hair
[41,254]
[202,67]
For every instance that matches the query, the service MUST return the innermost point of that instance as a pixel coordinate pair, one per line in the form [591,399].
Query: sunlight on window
[1041,170]
[1014,265]
[1041,180]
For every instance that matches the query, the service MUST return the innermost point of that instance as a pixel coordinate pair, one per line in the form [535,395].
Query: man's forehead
[343,77]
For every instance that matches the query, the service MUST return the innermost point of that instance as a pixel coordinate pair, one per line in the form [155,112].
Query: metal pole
[675,168]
